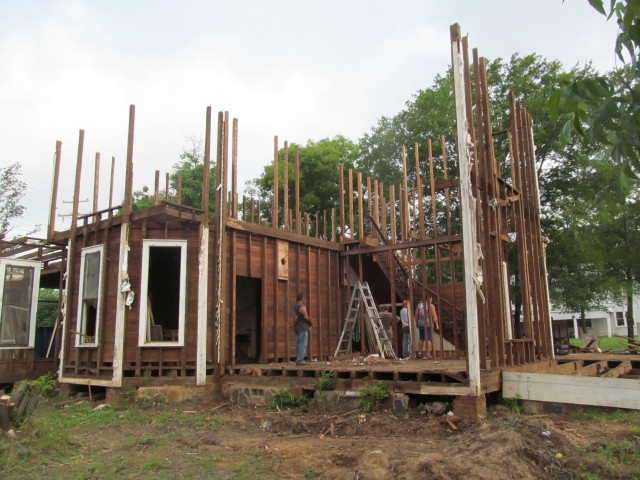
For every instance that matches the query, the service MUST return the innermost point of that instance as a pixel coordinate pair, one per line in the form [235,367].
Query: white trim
[4,263]
[472,268]
[203,291]
[80,311]
[144,289]
[123,279]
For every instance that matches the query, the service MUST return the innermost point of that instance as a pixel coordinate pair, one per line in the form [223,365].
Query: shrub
[372,396]
[284,398]
[326,380]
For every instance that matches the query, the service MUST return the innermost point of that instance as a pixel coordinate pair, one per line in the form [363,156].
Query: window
[162,296]
[89,301]
[18,281]
[620,319]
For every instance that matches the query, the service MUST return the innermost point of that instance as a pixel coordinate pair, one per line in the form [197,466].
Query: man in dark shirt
[301,327]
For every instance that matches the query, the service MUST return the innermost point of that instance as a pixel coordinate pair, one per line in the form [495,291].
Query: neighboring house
[610,320]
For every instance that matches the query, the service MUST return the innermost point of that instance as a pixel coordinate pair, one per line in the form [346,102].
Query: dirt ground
[224,440]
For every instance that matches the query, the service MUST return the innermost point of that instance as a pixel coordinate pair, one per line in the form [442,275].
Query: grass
[282,398]
[619,458]
[71,441]
[605,343]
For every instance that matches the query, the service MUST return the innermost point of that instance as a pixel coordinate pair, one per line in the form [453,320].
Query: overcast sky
[294,68]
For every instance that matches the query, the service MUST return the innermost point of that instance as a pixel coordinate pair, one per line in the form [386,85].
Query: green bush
[513,403]
[326,380]
[44,384]
[284,398]
[372,396]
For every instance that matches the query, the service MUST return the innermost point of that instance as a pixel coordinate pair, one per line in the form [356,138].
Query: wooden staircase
[451,318]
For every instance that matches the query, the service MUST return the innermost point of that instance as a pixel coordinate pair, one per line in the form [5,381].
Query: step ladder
[374,323]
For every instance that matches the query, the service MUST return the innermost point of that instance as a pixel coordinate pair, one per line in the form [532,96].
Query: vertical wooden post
[203,261]
[54,191]
[123,262]
[179,190]
[360,208]
[420,193]
[297,186]
[468,214]
[383,211]
[234,169]
[376,204]
[405,197]
[96,184]
[392,213]
[285,186]
[113,169]
[333,224]
[341,193]
[351,219]
[275,223]
[166,187]
[156,188]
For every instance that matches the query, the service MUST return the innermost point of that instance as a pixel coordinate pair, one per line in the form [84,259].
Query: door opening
[248,315]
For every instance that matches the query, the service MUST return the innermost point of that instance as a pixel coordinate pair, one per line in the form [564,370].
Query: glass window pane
[16,305]
[91,275]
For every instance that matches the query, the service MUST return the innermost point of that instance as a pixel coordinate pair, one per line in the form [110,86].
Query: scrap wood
[223,405]
[632,340]
[450,422]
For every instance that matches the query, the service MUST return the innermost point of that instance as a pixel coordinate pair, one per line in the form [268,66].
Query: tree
[318,174]
[13,190]
[606,109]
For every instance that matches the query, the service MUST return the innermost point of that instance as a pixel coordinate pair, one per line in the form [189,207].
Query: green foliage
[513,403]
[606,109]
[326,380]
[47,307]
[371,397]
[44,384]
[318,176]
[13,189]
[282,398]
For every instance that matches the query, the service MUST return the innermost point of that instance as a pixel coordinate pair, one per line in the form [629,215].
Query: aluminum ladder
[383,344]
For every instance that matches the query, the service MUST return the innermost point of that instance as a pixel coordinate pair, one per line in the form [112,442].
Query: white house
[610,320]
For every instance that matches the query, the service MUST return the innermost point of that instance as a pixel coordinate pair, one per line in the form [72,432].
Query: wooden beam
[54,190]
[285,186]
[275,223]
[402,246]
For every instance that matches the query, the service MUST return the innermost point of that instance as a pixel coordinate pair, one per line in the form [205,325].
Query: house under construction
[169,295]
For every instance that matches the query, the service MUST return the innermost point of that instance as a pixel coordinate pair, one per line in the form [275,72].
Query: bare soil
[226,440]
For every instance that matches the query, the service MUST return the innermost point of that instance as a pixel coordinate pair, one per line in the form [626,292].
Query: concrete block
[333,400]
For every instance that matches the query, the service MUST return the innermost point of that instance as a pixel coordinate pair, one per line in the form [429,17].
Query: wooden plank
[341,194]
[403,245]
[351,219]
[280,234]
[622,369]
[466,157]
[274,213]
[285,186]
[596,391]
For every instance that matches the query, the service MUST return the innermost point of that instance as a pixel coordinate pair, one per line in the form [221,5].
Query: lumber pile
[632,343]
[17,406]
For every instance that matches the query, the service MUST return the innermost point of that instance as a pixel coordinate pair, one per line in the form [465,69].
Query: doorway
[248,315]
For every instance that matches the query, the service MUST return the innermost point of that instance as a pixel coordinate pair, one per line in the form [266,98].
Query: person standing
[406,334]
[421,322]
[301,328]
[431,323]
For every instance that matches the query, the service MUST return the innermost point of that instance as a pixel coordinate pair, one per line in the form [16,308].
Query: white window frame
[80,311]
[34,296]
[144,292]
[624,320]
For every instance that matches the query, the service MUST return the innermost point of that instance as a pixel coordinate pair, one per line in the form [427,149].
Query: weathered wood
[605,392]
[275,222]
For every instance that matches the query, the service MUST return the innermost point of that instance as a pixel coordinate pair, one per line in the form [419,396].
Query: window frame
[622,317]
[79,314]
[35,289]
[147,244]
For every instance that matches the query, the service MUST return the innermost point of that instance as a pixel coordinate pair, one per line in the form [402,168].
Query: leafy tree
[318,174]
[47,306]
[606,109]
[13,190]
